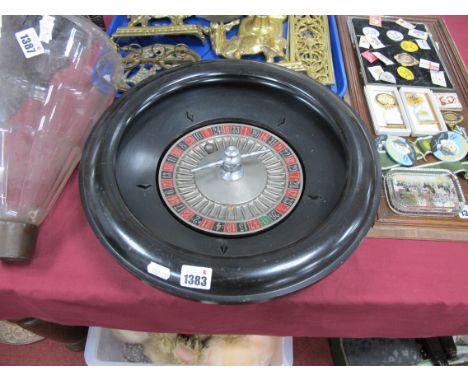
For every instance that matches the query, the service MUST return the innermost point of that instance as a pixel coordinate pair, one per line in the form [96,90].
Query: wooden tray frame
[388,224]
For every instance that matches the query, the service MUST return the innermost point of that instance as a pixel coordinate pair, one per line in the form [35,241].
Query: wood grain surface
[388,223]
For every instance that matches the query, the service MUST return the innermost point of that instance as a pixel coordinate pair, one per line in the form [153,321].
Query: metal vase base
[17,240]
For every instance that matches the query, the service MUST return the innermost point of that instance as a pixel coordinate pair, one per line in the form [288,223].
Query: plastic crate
[104,349]
[206,53]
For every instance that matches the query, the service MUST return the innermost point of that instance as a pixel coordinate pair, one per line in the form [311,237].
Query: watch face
[449,146]
[395,35]
[400,151]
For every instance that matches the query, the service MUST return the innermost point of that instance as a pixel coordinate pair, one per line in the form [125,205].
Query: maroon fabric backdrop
[387,288]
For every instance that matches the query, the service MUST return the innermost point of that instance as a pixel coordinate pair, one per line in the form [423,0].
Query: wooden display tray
[388,224]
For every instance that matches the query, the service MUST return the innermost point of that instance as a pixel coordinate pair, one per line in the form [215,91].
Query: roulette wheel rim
[277,260]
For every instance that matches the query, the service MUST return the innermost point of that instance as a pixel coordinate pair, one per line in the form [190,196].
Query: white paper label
[363,43]
[29,43]
[375,42]
[383,58]
[423,44]
[426,64]
[46,26]
[418,34]
[195,277]
[438,78]
[376,71]
[464,212]
[159,270]
[405,24]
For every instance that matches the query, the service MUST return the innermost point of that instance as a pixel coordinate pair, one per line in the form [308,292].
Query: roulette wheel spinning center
[226,179]
[230,181]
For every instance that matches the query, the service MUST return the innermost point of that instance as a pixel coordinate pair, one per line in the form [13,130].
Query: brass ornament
[256,35]
[293,65]
[309,44]
[220,18]
[138,26]
[141,62]
[143,20]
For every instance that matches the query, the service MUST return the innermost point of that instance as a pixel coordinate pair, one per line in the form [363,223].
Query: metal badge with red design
[230,179]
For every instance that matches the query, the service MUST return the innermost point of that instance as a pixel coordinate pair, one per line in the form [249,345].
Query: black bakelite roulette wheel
[230,181]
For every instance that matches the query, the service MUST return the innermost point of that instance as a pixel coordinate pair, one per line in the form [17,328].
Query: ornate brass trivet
[138,26]
[309,43]
[141,62]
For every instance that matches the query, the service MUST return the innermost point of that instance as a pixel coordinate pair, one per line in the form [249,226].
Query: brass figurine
[257,34]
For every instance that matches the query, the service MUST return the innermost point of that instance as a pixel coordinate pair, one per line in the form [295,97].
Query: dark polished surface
[339,160]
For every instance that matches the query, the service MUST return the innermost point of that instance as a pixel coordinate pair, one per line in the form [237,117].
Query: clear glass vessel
[57,76]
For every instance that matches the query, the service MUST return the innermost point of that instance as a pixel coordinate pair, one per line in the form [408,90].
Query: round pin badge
[369,31]
[409,46]
[405,73]
[395,35]
[406,59]
[449,146]
[452,119]
[400,151]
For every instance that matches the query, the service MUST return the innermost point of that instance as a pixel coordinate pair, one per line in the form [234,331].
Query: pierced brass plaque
[309,43]
[138,26]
